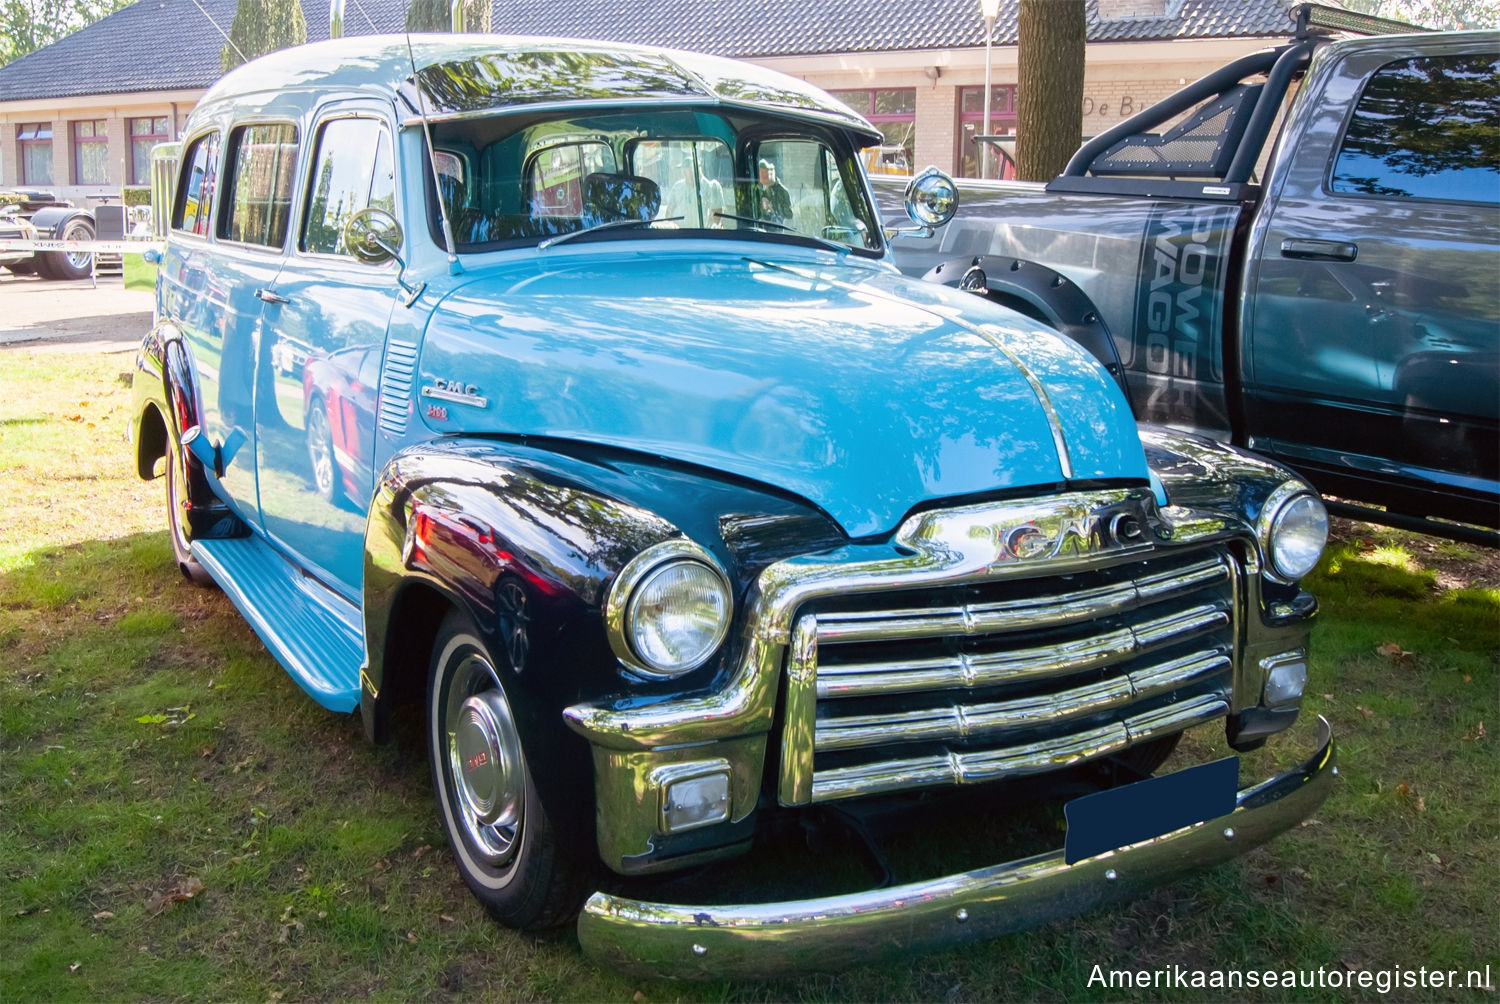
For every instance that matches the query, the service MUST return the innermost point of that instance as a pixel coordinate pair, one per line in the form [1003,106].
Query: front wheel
[502,839]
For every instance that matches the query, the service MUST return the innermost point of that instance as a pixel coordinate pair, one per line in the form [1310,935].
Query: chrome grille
[964,684]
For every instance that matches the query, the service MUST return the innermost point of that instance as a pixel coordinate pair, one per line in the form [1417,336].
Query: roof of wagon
[463,74]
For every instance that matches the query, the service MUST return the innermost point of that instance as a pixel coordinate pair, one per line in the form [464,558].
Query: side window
[696,178]
[556,177]
[193,206]
[345,179]
[262,161]
[794,187]
[1425,128]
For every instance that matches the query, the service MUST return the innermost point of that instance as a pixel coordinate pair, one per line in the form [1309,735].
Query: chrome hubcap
[484,760]
[78,259]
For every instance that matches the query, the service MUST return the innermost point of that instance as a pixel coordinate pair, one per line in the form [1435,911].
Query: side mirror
[931,198]
[373,236]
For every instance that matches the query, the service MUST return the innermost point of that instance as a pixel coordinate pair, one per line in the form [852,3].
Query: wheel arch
[1042,294]
[150,440]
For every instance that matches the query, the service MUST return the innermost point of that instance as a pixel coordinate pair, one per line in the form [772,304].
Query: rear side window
[352,170]
[1426,128]
[193,206]
[262,161]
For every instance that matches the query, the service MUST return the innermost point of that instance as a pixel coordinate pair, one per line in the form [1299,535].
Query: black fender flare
[528,556]
[1043,294]
[53,220]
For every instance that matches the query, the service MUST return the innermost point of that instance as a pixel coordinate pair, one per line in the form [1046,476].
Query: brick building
[80,115]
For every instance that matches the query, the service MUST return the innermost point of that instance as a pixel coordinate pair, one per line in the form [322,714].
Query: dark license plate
[1135,812]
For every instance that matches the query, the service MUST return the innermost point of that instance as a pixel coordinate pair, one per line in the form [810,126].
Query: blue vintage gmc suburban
[567,391]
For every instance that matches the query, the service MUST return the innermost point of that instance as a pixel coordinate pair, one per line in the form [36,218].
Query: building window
[90,152]
[971,124]
[144,134]
[894,112]
[35,139]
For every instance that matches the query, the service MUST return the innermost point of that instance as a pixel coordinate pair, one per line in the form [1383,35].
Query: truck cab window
[1425,129]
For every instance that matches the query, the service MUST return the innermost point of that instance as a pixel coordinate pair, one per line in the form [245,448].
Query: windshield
[512,180]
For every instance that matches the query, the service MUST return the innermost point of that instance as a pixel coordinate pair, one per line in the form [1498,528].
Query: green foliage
[27,25]
[137,195]
[1445,15]
[260,27]
[435,15]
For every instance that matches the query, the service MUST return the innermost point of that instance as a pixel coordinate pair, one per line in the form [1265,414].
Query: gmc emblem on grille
[1078,536]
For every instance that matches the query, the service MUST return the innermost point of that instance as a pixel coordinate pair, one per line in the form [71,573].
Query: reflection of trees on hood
[1427,116]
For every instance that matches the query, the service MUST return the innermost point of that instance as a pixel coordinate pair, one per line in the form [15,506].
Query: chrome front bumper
[759,941]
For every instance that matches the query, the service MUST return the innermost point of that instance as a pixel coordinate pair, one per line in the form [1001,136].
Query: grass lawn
[177,821]
[138,274]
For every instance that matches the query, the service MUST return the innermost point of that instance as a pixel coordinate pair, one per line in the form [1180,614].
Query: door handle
[1312,250]
[267,296]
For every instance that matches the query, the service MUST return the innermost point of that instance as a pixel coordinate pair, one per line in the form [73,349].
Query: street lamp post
[989,10]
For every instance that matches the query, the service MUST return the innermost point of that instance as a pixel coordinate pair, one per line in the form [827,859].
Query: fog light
[695,801]
[1286,678]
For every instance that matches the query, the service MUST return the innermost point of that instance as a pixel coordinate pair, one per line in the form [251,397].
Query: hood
[864,392]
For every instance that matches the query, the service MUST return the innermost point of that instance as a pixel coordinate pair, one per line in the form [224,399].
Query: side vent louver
[395,386]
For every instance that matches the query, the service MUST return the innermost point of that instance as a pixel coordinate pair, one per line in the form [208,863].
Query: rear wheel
[179,529]
[502,839]
[69,264]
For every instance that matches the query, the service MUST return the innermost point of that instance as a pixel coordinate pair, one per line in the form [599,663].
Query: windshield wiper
[783,228]
[611,225]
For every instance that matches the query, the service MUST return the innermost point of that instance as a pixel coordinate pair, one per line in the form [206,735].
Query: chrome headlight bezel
[620,609]
[1283,504]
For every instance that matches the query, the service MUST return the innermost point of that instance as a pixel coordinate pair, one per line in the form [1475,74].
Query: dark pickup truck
[1299,253]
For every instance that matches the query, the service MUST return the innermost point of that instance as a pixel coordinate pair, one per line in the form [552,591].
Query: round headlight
[1297,535]
[669,610]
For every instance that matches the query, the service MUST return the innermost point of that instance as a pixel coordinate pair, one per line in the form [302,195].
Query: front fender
[526,555]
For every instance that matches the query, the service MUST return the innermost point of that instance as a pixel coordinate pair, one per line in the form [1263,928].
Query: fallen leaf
[639,996]
[1475,734]
[184,890]
[411,936]
[152,719]
[1434,859]
[73,967]
[1403,789]
[421,850]
[104,915]
[446,919]
[1395,653]
[1364,711]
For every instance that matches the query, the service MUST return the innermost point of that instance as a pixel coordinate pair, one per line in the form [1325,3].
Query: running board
[314,633]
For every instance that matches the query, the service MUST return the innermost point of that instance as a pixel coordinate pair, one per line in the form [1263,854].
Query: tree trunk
[1049,91]
[437,15]
[260,27]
